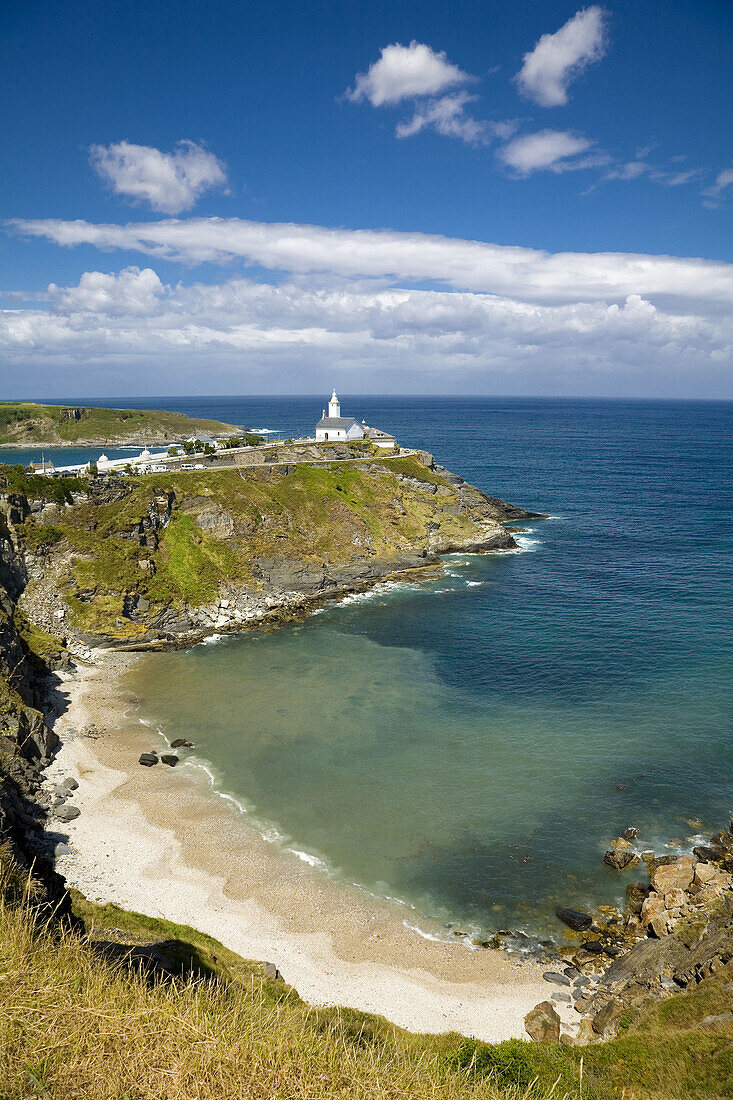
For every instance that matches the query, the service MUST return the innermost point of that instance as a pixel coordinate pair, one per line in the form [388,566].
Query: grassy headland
[27,424]
[179,540]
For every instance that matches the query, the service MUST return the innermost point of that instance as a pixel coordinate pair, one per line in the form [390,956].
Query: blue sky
[291,193]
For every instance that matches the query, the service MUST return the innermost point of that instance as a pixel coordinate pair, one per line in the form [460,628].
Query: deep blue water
[474,744]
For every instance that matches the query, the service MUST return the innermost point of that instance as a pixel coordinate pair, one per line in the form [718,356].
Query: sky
[511,197]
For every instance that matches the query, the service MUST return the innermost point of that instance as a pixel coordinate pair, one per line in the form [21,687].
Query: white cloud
[559,58]
[132,291]
[448,117]
[723,180]
[437,337]
[405,72]
[546,150]
[169,182]
[530,274]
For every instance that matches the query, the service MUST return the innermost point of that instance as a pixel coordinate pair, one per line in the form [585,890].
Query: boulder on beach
[542,1023]
[169,758]
[71,784]
[554,978]
[181,743]
[579,922]
[148,759]
[67,813]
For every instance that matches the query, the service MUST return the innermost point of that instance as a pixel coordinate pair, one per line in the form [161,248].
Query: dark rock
[542,1023]
[181,743]
[722,840]
[579,922]
[169,758]
[572,973]
[556,979]
[148,759]
[70,783]
[636,894]
[67,813]
[595,947]
[620,860]
[270,970]
[630,834]
[706,854]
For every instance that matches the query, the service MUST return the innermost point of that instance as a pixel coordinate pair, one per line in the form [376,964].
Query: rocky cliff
[168,557]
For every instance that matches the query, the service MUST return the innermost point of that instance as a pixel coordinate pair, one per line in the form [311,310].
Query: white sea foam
[527,544]
[432,936]
[212,639]
[307,857]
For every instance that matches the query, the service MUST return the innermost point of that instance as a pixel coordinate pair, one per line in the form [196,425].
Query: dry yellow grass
[75,1025]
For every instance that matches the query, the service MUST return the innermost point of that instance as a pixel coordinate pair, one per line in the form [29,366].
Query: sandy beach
[159,841]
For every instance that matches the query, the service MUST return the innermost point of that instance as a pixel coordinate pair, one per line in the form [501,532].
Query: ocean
[472,744]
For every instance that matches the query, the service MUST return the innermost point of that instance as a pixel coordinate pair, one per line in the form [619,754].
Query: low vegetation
[84,1015]
[221,522]
[25,422]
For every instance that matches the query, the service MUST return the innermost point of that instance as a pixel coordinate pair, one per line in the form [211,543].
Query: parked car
[187,466]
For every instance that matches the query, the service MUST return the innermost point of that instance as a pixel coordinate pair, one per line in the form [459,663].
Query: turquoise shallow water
[472,745]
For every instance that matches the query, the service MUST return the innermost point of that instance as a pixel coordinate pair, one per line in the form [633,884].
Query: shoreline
[156,841]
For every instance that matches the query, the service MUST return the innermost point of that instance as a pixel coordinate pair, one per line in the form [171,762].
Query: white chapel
[336,426]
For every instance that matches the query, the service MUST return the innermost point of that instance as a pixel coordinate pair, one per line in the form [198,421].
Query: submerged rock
[181,743]
[579,922]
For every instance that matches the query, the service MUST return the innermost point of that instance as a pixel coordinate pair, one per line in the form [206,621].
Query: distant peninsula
[27,424]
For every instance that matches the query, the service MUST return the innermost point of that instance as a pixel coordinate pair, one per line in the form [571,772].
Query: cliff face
[168,556]
[26,742]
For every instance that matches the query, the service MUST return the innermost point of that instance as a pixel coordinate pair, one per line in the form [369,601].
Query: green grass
[25,422]
[40,643]
[315,514]
[40,536]
[191,564]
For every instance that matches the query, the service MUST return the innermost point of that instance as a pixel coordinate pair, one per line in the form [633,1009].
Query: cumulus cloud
[419,73]
[531,274]
[559,58]
[551,150]
[405,72]
[131,292]
[168,182]
[245,326]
